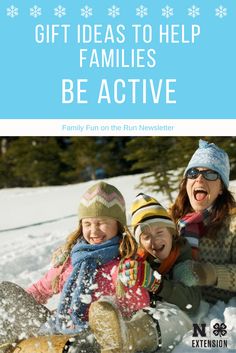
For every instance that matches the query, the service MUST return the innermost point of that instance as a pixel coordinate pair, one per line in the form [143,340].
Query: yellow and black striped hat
[146,209]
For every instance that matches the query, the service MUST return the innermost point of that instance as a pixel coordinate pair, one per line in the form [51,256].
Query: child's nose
[94,228]
[152,243]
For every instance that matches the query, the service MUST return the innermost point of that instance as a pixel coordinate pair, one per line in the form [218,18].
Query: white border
[117,127]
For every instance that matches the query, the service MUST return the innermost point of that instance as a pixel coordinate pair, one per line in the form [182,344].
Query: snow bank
[52,213]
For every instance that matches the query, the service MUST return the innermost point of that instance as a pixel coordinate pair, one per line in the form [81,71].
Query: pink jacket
[134,299]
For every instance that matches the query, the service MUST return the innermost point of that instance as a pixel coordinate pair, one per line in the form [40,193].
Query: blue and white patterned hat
[208,155]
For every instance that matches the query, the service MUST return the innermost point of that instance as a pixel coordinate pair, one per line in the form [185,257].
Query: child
[85,267]
[161,249]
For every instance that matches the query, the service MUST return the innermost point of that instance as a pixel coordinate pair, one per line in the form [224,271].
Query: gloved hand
[140,273]
[193,273]
[59,256]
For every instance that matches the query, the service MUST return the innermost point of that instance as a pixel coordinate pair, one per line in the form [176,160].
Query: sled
[24,315]
[43,344]
[57,344]
[20,314]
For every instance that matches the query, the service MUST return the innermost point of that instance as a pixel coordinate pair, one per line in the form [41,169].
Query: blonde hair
[127,248]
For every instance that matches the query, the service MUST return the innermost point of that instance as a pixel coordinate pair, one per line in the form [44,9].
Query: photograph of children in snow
[150,260]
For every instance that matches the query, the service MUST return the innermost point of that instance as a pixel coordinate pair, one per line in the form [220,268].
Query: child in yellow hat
[160,250]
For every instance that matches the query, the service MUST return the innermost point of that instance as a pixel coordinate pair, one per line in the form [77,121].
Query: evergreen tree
[82,159]
[164,159]
[36,161]
[33,162]
[154,156]
[95,157]
[112,156]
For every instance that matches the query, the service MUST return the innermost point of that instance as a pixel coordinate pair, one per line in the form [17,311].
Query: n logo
[199,329]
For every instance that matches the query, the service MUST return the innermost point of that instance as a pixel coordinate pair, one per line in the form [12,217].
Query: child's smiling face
[99,229]
[157,241]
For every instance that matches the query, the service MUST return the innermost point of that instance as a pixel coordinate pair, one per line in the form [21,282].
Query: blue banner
[117,59]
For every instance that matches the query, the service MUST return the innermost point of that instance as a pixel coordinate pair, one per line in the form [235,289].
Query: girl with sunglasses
[205,214]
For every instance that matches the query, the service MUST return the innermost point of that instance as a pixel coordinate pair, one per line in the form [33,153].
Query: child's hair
[127,248]
[100,200]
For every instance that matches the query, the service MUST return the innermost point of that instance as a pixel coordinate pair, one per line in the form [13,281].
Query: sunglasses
[211,175]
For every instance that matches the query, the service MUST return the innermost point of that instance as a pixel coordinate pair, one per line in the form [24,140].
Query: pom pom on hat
[103,200]
[208,155]
[146,209]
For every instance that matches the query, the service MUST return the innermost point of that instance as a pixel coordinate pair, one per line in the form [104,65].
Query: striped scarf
[193,226]
[166,265]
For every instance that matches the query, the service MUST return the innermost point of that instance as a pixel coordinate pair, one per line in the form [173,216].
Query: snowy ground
[45,216]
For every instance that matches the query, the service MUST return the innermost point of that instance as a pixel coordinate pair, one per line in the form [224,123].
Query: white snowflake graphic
[221,11]
[114,11]
[193,11]
[59,11]
[12,11]
[35,11]
[141,11]
[86,11]
[167,11]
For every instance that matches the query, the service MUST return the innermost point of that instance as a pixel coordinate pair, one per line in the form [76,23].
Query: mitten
[140,273]
[206,273]
[59,256]
[193,273]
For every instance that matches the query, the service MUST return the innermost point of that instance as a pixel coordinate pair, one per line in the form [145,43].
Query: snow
[34,221]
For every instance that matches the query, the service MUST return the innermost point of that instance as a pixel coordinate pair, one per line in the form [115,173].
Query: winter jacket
[185,297]
[220,250]
[134,299]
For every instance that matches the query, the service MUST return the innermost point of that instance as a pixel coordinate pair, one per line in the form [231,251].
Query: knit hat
[103,200]
[146,209]
[208,155]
